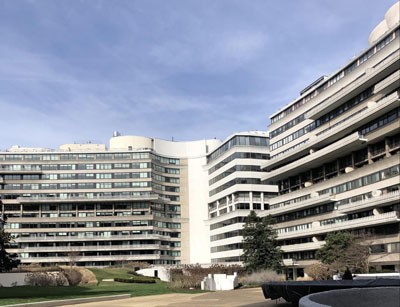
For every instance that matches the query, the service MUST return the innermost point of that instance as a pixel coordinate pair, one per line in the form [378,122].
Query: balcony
[93,258]
[385,199]
[91,238]
[302,247]
[318,200]
[371,76]
[337,131]
[78,249]
[103,198]
[4,169]
[316,228]
[347,144]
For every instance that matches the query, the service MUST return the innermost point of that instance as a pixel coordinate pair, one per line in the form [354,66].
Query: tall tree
[7,260]
[260,248]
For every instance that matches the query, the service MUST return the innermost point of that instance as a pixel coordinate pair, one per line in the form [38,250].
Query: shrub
[73,276]
[37,268]
[136,265]
[43,279]
[191,276]
[318,271]
[142,280]
[259,277]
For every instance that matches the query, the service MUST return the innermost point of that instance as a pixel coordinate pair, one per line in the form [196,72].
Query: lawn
[28,294]
[110,273]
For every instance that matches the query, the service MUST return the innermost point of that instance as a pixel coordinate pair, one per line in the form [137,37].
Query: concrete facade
[235,189]
[96,206]
[335,156]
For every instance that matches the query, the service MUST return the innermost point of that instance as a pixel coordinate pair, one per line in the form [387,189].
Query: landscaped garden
[29,294]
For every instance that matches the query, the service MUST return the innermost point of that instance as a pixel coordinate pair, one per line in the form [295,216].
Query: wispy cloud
[78,70]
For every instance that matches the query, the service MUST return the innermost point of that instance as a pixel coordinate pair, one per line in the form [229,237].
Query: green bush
[142,280]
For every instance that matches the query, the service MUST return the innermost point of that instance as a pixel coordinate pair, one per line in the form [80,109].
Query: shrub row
[142,280]
[190,276]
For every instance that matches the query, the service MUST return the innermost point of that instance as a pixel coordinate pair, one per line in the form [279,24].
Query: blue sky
[75,71]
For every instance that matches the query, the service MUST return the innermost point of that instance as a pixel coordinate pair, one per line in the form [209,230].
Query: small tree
[260,248]
[7,261]
[73,256]
[343,249]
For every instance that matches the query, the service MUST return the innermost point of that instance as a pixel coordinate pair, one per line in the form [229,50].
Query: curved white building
[235,188]
[141,199]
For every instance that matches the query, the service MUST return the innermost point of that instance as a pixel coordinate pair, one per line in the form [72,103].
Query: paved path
[243,297]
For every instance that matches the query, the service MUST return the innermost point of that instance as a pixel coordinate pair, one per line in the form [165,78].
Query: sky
[74,71]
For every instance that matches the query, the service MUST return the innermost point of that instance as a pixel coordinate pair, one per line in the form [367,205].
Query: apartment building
[335,156]
[235,189]
[102,206]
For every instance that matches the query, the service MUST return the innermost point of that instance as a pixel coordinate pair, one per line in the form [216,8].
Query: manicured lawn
[110,273]
[28,294]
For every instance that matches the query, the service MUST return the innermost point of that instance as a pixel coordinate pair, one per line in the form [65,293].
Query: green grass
[28,294]
[110,273]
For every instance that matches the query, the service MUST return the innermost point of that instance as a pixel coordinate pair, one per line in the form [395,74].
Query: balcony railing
[93,258]
[318,200]
[316,228]
[302,246]
[26,170]
[370,202]
[142,196]
[91,238]
[67,249]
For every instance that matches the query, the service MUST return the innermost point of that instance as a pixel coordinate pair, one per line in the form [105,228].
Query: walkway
[243,297]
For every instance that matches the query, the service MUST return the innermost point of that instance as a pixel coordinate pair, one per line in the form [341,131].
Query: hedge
[136,280]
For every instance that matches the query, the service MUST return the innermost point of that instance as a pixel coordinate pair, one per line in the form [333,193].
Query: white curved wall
[391,19]
[131,142]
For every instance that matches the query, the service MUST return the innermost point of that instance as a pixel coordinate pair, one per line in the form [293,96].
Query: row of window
[102,166]
[228,247]
[78,176]
[385,248]
[304,213]
[365,196]
[349,68]
[234,182]
[234,169]
[79,244]
[238,155]
[290,202]
[348,105]
[92,214]
[234,220]
[293,228]
[165,179]
[89,206]
[54,236]
[88,156]
[363,181]
[238,141]
[70,156]
[226,259]
[380,122]
[333,168]
[154,223]
[165,188]
[226,235]
[90,195]
[72,186]
[96,254]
